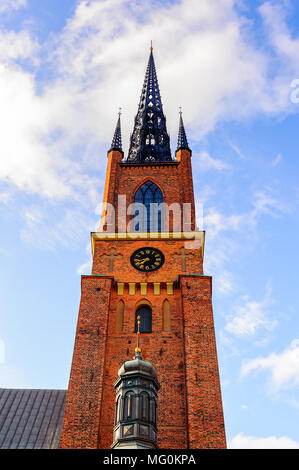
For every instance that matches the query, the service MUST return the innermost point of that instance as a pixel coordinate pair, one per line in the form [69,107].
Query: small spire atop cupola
[137,349]
[182,138]
[150,139]
[116,141]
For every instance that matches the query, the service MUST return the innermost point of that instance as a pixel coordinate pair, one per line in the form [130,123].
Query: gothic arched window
[145,314]
[150,195]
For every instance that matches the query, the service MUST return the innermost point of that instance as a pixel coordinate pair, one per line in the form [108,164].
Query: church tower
[147,263]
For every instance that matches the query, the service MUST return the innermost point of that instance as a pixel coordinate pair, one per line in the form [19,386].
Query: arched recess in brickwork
[143,302]
[120,316]
[166,323]
[145,313]
[149,180]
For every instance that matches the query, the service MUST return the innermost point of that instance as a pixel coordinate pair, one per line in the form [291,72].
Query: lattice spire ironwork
[116,141]
[182,138]
[150,140]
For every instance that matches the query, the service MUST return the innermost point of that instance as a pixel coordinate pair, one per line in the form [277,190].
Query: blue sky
[65,68]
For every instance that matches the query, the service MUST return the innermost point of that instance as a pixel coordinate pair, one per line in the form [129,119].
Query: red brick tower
[152,267]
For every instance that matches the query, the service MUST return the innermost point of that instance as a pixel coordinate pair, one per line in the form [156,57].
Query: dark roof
[31,419]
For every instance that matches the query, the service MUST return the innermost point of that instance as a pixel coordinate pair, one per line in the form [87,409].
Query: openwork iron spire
[182,138]
[150,140]
[116,141]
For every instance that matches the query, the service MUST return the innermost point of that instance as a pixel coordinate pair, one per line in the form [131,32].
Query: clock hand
[142,261]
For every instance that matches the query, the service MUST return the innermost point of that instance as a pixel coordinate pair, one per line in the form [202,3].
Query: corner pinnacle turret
[116,141]
[182,138]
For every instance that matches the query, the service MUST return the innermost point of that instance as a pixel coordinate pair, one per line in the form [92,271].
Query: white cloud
[202,82]
[9,5]
[237,150]
[205,162]
[264,203]
[85,268]
[241,441]
[285,46]
[28,160]
[216,222]
[77,108]
[224,283]
[279,36]
[17,46]
[55,131]
[276,160]
[5,197]
[250,317]
[284,367]
[46,227]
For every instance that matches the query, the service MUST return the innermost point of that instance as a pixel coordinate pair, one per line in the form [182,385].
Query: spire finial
[182,138]
[116,141]
[137,349]
[151,48]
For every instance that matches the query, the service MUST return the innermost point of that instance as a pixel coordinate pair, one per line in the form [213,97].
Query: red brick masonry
[189,402]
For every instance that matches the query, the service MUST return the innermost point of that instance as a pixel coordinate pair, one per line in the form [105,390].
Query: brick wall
[185,358]
[173,178]
[83,401]
[204,411]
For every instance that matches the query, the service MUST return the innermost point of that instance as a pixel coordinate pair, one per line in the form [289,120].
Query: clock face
[147,259]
